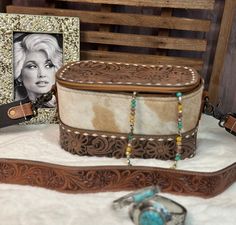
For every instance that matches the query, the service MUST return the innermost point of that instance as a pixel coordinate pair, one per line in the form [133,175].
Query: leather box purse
[129,110]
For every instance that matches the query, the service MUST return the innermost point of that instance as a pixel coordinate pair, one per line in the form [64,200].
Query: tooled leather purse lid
[113,76]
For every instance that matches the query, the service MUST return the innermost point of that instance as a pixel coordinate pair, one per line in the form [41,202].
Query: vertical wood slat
[165,12]
[221,49]
[104,28]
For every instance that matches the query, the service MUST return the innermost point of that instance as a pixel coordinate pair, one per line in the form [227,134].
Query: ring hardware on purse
[148,207]
[23,110]
[227,121]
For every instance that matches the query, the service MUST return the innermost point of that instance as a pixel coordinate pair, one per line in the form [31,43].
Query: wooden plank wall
[110,33]
[196,4]
[221,50]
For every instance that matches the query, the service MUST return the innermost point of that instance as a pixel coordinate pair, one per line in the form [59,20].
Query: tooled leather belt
[89,179]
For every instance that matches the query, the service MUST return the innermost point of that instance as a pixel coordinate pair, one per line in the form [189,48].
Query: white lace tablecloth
[25,205]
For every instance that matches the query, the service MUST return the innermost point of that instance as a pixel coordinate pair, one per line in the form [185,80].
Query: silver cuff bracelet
[149,208]
[136,197]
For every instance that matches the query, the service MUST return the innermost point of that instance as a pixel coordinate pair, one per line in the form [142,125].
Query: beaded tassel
[179,127]
[129,148]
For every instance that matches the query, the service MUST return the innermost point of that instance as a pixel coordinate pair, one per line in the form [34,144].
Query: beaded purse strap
[179,129]
[131,137]
[227,121]
[129,148]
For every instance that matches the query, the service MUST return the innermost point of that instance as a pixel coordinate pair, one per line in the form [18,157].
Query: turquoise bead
[139,197]
[177,157]
[179,94]
[130,137]
[150,218]
[180,124]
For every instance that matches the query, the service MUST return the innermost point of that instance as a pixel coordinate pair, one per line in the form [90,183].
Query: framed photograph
[32,49]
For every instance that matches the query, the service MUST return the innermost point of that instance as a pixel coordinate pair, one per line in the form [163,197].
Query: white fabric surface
[25,205]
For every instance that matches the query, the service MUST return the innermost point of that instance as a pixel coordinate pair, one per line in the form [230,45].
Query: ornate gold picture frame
[65,30]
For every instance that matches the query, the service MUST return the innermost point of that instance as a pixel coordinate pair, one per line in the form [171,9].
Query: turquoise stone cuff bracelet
[158,210]
[149,208]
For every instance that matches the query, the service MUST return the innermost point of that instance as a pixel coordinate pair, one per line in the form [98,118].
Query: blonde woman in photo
[37,57]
